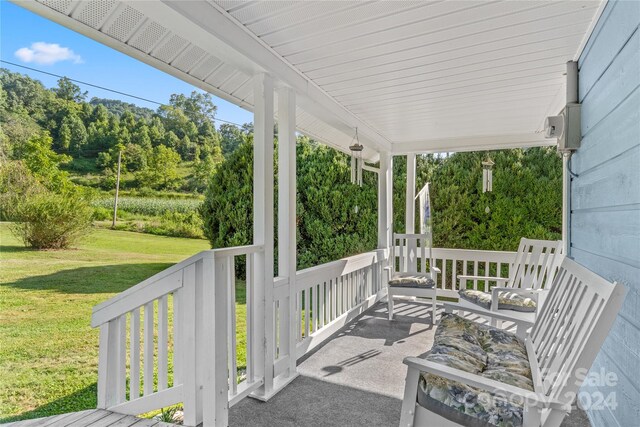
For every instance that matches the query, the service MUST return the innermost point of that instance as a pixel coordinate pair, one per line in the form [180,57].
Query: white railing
[454,262]
[328,296]
[172,338]
[186,340]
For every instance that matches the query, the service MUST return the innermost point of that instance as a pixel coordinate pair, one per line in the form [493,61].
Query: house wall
[605,198]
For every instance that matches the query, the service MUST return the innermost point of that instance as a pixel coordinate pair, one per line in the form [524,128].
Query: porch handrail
[451,262]
[337,268]
[201,292]
[331,294]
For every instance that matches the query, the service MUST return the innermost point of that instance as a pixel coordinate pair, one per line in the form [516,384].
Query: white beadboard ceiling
[412,75]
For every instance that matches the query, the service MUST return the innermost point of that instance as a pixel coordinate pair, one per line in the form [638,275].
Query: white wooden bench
[563,342]
[531,275]
[413,251]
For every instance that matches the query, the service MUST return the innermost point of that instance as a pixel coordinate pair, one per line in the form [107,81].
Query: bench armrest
[485,278]
[449,306]
[511,393]
[531,291]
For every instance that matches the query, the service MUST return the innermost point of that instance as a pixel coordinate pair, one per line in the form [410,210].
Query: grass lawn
[48,351]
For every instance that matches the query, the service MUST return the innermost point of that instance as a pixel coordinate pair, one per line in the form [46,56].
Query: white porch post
[287,216]
[410,210]
[263,183]
[566,213]
[385,201]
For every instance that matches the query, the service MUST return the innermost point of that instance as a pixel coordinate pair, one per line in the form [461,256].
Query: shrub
[102,214]
[327,226]
[174,224]
[17,184]
[177,224]
[53,221]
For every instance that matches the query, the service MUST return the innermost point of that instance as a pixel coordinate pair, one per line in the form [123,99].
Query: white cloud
[47,54]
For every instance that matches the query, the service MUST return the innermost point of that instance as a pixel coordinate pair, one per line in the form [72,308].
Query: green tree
[156,131]
[135,157]
[69,91]
[197,107]
[203,170]
[140,137]
[162,169]
[25,95]
[44,163]
[231,137]
[72,135]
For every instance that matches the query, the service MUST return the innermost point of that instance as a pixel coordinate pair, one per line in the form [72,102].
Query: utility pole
[115,204]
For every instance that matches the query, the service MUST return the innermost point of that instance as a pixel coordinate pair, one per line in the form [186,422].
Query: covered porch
[356,377]
[412,78]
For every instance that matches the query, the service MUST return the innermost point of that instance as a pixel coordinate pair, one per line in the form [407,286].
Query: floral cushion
[481,350]
[412,280]
[506,300]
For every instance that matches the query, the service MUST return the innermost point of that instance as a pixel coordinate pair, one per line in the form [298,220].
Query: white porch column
[566,213]
[263,183]
[287,217]
[385,201]
[410,213]
[410,210]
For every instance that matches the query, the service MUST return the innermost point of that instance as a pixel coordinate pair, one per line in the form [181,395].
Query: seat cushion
[506,300]
[412,280]
[482,350]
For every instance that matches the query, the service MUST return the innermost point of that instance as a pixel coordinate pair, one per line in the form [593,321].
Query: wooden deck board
[89,418]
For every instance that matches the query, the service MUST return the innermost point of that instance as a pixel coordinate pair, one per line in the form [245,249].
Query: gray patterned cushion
[506,300]
[412,280]
[481,350]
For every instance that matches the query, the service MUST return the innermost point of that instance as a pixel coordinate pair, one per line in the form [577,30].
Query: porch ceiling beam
[224,33]
[477,143]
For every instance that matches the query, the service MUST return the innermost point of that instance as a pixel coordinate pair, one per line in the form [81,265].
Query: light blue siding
[605,197]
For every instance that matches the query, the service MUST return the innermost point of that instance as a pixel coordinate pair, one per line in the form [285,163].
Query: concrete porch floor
[357,377]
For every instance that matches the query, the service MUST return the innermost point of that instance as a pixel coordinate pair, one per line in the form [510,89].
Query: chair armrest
[448,306]
[486,278]
[511,393]
[434,271]
[387,273]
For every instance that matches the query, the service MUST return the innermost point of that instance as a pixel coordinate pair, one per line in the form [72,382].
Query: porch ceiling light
[356,160]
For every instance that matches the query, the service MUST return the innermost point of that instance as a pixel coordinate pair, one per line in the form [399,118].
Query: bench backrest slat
[410,247]
[536,264]
[571,327]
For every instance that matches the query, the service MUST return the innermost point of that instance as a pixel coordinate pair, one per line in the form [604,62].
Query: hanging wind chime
[487,175]
[356,160]
[487,178]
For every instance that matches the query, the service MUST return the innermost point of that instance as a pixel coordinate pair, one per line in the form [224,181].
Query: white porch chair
[530,279]
[563,342]
[412,250]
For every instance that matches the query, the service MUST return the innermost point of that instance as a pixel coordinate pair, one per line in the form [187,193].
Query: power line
[102,88]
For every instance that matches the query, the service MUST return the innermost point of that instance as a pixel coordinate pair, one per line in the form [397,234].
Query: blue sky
[81,58]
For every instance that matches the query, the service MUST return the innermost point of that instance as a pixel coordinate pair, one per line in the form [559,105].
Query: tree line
[153,143]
